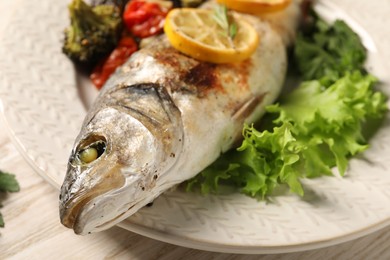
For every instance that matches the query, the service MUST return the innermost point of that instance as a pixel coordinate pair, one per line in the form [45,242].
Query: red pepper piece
[118,56]
[144,19]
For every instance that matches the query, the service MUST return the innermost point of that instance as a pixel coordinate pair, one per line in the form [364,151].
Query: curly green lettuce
[318,126]
[316,129]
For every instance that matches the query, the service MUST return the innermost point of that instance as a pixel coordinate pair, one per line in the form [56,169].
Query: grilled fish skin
[158,121]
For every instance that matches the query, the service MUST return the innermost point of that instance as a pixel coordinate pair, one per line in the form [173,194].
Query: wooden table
[33,230]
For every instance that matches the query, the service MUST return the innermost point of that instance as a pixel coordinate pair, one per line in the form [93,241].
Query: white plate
[42,110]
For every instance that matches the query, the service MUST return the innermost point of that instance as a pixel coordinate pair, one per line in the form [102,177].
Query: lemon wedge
[256,6]
[197,34]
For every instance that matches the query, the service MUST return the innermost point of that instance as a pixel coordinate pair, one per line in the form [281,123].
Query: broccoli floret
[93,32]
[118,3]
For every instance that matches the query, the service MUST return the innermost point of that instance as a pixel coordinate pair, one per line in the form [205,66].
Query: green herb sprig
[226,21]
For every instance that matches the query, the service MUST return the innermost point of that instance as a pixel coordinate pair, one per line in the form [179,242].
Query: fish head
[113,164]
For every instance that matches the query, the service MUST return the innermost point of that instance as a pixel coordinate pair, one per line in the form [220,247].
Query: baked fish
[158,121]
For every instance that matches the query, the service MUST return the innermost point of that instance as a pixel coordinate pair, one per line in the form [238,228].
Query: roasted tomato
[118,56]
[143,18]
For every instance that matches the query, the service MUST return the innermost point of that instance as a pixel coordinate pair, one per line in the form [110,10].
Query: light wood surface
[33,230]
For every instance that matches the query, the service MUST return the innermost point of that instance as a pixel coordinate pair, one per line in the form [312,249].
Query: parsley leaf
[329,51]
[8,183]
[225,21]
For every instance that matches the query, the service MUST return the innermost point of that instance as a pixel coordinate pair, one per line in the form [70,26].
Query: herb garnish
[226,21]
[328,52]
[8,183]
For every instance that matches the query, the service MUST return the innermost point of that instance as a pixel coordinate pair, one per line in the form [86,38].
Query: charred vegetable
[93,33]
[117,57]
[118,3]
[145,18]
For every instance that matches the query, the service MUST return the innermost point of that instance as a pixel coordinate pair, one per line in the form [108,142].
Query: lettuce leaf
[318,125]
[316,129]
[334,116]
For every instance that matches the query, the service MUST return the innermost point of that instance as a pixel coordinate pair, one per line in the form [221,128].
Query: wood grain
[33,230]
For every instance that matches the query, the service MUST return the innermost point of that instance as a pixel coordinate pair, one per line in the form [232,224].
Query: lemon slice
[196,33]
[256,6]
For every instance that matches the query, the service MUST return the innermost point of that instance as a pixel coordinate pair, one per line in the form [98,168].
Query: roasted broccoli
[118,3]
[93,32]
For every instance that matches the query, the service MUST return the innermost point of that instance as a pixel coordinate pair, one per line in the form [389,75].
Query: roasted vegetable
[93,33]
[117,57]
[118,3]
[144,18]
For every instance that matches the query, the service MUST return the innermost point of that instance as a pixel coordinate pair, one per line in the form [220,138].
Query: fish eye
[91,149]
